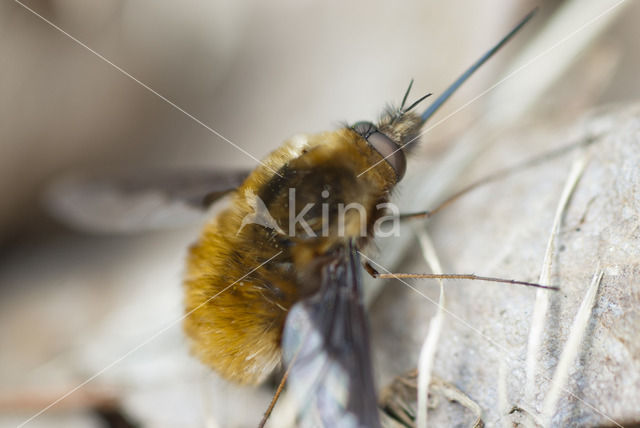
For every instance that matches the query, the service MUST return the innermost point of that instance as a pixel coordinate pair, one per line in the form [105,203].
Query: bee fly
[278,272]
[302,297]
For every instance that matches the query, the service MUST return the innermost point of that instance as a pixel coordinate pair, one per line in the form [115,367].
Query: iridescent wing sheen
[138,200]
[326,342]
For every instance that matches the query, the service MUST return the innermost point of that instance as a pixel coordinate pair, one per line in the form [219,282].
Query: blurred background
[73,304]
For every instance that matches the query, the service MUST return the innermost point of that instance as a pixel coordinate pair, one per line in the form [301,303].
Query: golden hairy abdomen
[236,322]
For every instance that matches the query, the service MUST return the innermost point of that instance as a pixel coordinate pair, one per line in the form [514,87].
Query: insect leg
[371,270]
[470,276]
[500,174]
[276,396]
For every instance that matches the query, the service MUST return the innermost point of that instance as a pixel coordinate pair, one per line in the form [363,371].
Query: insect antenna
[401,110]
[416,103]
[406,94]
[455,85]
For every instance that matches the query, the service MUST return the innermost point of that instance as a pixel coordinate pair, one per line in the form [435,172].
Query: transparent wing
[137,201]
[326,339]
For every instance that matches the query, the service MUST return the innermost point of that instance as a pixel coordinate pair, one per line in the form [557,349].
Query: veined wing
[138,200]
[326,339]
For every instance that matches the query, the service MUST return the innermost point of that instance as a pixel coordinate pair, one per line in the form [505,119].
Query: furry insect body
[238,332]
[238,322]
[258,280]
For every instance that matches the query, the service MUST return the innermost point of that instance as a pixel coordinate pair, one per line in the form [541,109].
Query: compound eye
[364,129]
[385,146]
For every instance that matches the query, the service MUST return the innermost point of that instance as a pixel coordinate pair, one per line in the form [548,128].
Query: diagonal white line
[143,343]
[571,349]
[498,83]
[542,301]
[429,347]
[490,340]
[147,87]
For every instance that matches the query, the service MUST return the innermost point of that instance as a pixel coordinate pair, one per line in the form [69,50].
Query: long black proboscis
[455,85]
